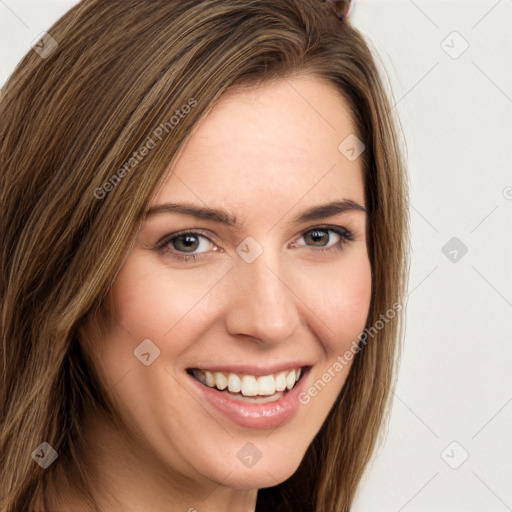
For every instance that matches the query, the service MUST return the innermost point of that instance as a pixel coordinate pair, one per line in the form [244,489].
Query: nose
[262,304]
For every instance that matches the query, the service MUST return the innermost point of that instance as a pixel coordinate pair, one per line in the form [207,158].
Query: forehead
[270,145]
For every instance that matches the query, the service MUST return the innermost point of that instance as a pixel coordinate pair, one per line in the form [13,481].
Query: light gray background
[456,114]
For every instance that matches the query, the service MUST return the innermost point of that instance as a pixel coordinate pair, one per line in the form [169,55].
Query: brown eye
[186,243]
[323,238]
[318,236]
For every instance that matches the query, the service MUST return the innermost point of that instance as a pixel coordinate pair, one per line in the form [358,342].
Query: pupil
[318,235]
[189,241]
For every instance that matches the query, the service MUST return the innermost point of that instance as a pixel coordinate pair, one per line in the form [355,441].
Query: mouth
[250,388]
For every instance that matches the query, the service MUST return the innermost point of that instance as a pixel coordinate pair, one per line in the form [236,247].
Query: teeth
[281,381]
[221,382]
[249,385]
[266,385]
[234,383]
[210,379]
[290,380]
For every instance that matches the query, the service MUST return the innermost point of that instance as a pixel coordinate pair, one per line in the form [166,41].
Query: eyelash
[163,245]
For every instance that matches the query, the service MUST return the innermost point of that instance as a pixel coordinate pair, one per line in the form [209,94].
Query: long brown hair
[71,119]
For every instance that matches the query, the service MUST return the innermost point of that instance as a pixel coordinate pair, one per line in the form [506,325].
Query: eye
[182,245]
[193,245]
[323,241]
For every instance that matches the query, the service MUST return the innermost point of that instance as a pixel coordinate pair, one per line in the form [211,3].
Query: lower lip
[250,414]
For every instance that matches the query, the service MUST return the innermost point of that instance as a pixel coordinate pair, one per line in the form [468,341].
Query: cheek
[149,301]
[341,300]
[140,306]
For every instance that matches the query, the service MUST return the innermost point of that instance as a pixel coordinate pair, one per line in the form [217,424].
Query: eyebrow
[222,216]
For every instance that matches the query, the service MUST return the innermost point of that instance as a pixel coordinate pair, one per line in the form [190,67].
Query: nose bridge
[262,305]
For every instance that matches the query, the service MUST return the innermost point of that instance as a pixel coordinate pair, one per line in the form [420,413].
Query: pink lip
[254,415]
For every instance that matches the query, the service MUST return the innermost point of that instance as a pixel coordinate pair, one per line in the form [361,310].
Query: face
[262,292]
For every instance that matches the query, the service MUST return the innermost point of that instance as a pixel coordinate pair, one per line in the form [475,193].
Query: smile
[248,385]
[249,396]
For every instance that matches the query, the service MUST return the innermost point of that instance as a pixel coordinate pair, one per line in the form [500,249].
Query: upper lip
[261,369]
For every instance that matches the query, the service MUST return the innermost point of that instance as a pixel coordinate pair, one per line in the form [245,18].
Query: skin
[265,155]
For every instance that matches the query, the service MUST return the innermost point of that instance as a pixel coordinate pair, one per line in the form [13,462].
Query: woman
[203,260]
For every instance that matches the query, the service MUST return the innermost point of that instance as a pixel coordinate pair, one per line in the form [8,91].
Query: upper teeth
[249,385]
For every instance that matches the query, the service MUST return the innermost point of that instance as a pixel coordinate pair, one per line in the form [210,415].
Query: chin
[258,478]
[269,471]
